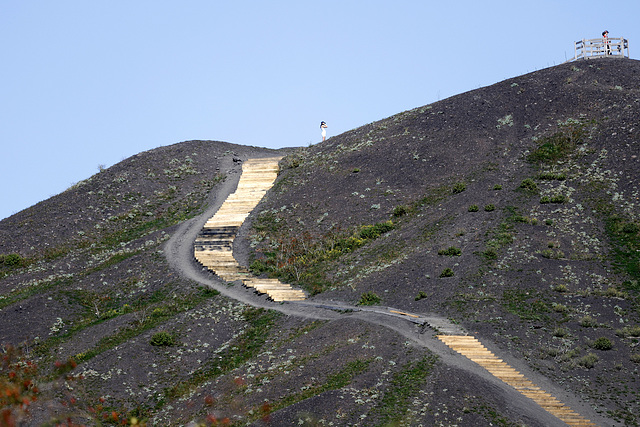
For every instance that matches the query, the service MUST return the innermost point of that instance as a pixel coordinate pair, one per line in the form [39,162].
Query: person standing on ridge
[605,40]
[323,127]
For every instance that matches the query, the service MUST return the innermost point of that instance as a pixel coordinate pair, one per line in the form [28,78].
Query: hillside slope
[525,192]
[546,277]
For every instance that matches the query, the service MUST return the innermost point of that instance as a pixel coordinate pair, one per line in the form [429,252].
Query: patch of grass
[559,308]
[588,361]
[421,295]
[304,259]
[335,381]
[560,332]
[489,255]
[552,254]
[562,288]
[625,252]
[369,298]
[629,331]
[400,210]
[529,185]
[473,208]
[447,272]
[489,208]
[526,304]
[552,176]
[458,187]
[370,232]
[451,251]
[243,348]
[557,198]
[588,322]
[38,287]
[404,386]
[561,144]
[12,261]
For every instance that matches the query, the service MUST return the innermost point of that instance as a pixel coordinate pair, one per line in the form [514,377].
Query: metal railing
[601,48]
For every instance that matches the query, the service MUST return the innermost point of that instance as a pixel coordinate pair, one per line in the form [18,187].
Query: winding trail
[209,239]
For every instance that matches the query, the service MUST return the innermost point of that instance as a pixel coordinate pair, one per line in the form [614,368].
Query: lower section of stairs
[473,349]
[213,246]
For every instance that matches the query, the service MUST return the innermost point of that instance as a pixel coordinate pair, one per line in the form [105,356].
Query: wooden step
[470,347]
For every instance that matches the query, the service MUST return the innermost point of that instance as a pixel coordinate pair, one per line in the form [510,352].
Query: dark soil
[94,272]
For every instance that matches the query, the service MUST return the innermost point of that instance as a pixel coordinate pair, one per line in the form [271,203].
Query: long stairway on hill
[213,247]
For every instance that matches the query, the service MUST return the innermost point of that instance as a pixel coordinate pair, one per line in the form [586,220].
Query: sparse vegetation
[421,295]
[530,185]
[602,343]
[369,298]
[588,361]
[459,187]
[447,272]
[162,339]
[558,146]
[450,251]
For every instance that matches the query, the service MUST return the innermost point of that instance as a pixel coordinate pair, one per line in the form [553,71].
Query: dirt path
[419,328]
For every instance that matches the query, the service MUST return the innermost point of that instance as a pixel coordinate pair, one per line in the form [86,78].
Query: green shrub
[560,332]
[630,228]
[558,198]
[369,298]
[421,295]
[400,210]
[11,260]
[552,254]
[258,266]
[559,308]
[451,251]
[629,331]
[602,343]
[447,272]
[548,222]
[497,187]
[635,357]
[490,254]
[162,339]
[588,361]
[489,208]
[560,288]
[529,185]
[459,187]
[588,322]
[473,208]
[376,230]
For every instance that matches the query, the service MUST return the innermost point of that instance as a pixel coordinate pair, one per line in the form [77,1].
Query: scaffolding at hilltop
[611,47]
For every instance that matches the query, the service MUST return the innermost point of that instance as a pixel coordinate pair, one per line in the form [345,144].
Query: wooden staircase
[474,350]
[213,246]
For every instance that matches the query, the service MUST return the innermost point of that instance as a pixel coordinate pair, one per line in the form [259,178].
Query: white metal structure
[616,47]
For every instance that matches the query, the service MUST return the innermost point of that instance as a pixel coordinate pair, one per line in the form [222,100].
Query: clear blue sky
[91,82]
